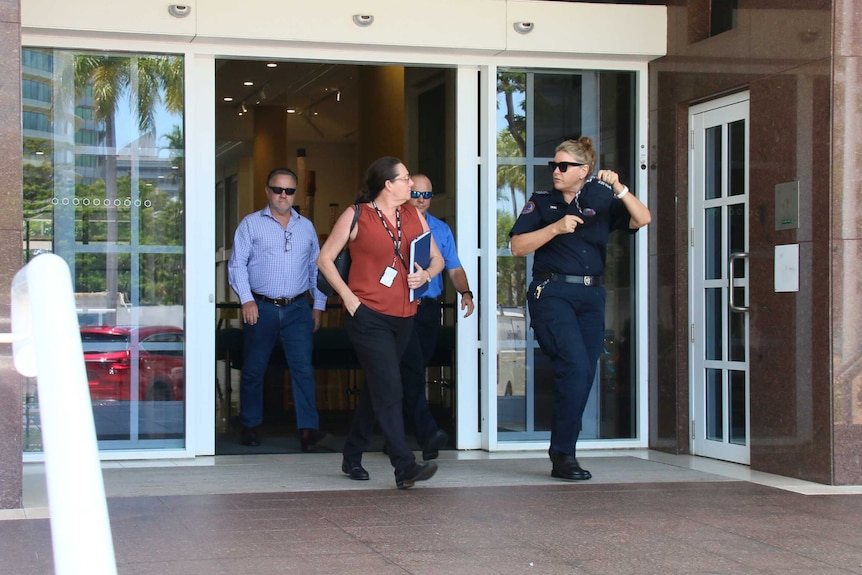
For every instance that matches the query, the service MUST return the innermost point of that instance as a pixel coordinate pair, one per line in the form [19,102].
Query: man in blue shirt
[272,266]
[426,325]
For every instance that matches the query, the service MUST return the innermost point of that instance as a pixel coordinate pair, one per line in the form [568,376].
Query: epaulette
[602,182]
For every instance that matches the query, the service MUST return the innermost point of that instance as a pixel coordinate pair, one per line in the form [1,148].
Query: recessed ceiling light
[271,65]
[291,111]
[228,99]
[248,83]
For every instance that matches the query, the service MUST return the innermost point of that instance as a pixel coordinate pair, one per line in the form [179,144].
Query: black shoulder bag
[342,261]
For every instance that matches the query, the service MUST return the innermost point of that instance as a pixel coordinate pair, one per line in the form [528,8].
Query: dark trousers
[291,326]
[379,341]
[569,323]
[420,350]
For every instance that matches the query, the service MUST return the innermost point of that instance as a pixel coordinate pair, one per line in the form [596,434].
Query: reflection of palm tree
[511,176]
[147,80]
[511,142]
[510,83]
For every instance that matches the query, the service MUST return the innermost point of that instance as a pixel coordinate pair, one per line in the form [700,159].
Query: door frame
[723,111]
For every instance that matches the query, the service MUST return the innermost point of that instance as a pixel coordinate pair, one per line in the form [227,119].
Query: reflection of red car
[110,353]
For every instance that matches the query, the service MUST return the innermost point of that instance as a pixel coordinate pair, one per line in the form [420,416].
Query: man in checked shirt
[271,268]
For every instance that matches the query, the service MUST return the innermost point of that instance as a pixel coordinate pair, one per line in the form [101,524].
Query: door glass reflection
[104,188]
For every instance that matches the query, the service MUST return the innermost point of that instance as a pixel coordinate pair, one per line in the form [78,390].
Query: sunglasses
[278,191]
[563,166]
[416,194]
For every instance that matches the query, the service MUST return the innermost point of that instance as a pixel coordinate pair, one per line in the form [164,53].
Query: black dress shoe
[431,449]
[355,471]
[567,467]
[249,436]
[417,472]
[312,440]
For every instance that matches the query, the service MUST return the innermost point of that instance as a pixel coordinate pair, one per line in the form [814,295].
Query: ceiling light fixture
[248,83]
[271,65]
[363,20]
[228,99]
[243,108]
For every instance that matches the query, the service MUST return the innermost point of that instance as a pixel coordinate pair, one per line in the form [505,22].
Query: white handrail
[46,344]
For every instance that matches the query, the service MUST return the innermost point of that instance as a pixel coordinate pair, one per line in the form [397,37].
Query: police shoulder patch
[529,208]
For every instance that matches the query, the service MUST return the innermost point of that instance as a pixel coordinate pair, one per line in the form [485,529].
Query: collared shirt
[261,264]
[446,244]
[583,252]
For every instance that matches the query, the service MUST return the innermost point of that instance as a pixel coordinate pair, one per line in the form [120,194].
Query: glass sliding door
[535,112]
[104,189]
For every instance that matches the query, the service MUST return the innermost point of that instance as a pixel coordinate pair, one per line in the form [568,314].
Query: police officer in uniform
[568,229]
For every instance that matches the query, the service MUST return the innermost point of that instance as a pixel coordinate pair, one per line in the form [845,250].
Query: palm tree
[145,81]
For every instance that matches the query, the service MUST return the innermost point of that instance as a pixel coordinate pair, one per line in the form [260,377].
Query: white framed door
[718,257]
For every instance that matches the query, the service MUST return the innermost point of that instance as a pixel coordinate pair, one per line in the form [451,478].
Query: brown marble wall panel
[10,11]
[847,360]
[10,380]
[790,375]
[10,248]
[780,53]
[848,15]
[846,229]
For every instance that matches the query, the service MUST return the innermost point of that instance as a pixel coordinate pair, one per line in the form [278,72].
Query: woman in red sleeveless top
[379,316]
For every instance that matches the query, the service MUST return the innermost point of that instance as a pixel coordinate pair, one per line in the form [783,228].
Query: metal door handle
[730,261]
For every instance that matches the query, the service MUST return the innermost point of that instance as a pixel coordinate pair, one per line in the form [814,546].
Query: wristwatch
[465,292]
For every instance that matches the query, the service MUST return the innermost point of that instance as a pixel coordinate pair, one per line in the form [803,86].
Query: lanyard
[396,243]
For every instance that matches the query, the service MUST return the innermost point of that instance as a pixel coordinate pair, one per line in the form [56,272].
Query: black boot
[567,467]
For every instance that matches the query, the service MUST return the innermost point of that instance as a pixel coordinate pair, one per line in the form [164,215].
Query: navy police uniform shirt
[583,252]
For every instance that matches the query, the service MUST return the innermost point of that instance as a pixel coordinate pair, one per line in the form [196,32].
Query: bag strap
[355,217]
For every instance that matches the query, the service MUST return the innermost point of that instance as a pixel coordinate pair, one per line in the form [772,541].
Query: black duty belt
[279,301]
[583,280]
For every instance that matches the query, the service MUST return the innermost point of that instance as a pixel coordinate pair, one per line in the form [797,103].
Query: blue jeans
[293,327]
[569,323]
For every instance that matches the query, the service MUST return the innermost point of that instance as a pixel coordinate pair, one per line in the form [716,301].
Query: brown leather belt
[279,301]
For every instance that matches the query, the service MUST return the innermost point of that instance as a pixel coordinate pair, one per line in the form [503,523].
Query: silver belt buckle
[588,280]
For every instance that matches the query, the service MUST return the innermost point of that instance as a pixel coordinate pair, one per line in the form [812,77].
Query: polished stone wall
[806,357]
[846,253]
[10,247]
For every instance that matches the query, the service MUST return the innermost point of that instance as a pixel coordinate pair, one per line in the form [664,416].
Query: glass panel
[558,109]
[736,236]
[601,105]
[511,114]
[511,305]
[712,248]
[713,326]
[736,154]
[511,365]
[722,16]
[714,405]
[736,327]
[104,189]
[738,430]
[712,163]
